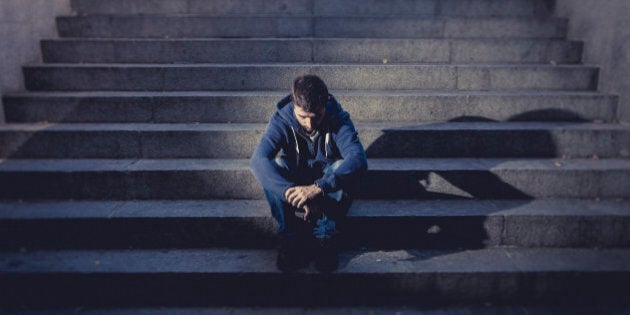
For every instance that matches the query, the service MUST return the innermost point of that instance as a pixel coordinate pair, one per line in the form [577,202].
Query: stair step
[307,50]
[319,7]
[371,223]
[229,277]
[161,77]
[194,26]
[487,309]
[387,178]
[381,140]
[257,107]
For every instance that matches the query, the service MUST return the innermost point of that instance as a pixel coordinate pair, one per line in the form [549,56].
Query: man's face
[310,121]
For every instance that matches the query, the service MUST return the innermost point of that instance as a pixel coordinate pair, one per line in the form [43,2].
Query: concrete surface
[277,76]
[319,7]
[381,140]
[486,309]
[391,224]
[257,107]
[604,26]
[446,178]
[348,50]
[224,277]
[164,26]
[22,24]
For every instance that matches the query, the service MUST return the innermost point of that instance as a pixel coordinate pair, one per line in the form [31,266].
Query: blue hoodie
[337,140]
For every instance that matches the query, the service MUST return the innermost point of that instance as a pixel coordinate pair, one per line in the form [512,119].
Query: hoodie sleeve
[263,164]
[354,159]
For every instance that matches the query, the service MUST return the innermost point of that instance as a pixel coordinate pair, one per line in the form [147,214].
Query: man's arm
[262,161]
[354,159]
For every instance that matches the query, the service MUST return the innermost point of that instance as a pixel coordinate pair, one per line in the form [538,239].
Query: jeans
[334,208]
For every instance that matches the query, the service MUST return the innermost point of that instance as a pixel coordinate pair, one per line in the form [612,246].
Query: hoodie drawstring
[327,143]
[297,147]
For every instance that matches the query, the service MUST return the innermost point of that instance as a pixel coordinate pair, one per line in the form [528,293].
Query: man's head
[309,95]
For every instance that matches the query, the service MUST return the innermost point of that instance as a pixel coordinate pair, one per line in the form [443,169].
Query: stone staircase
[497,173]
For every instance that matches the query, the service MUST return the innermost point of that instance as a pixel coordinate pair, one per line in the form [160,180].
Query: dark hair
[309,92]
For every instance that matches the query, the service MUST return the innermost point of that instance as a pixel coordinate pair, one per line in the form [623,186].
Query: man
[309,160]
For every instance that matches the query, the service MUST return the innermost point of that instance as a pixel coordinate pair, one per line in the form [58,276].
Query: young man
[309,161]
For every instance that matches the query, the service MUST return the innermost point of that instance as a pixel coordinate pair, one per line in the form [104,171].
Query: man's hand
[299,195]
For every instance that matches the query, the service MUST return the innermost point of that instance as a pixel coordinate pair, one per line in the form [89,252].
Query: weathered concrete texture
[371,223]
[349,50]
[223,276]
[318,7]
[605,28]
[362,310]
[241,77]
[257,107]
[386,178]
[214,7]
[381,140]
[117,26]
[22,24]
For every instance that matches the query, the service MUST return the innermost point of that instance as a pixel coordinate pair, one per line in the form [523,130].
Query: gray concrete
[487,309]
[205,278]
[240,77]
[391,224]
[214,7]
[451,193]
[320,7]
[605,28]
[386,179]
[22,24]
[250,262]
[347,50]
[257,107]
[382,140]
[122,26]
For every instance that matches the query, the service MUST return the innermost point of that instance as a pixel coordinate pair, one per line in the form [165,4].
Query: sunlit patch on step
[434,182]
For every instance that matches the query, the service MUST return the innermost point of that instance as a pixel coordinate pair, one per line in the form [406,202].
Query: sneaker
[326,257]
[291,256]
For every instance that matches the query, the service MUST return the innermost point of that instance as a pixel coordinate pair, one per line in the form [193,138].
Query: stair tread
[487,309]
[282,93]
[166,209]
[303,64]
[305,38]
[391,164]
[316,16]
[240,261]
[260,127]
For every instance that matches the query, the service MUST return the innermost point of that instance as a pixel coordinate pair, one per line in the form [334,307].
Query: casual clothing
[332,158]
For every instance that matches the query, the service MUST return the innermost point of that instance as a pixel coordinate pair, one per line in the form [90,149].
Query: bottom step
[487,309]
[148,278]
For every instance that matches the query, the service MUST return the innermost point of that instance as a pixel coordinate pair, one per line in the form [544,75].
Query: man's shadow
[428,208]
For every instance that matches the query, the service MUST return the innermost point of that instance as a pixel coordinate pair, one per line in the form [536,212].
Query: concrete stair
[346,8]
[247,77]
[497,172]
[385,224]
[365,106]
[381,140]
[387,178]
[200,26]
[151,277]
[335,50]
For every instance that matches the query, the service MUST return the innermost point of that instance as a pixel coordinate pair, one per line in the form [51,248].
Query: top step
[319,7]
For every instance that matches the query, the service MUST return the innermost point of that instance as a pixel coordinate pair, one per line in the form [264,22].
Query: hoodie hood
[283,141]
[335,115]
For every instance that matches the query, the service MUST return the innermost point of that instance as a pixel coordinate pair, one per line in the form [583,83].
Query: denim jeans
[334,206]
